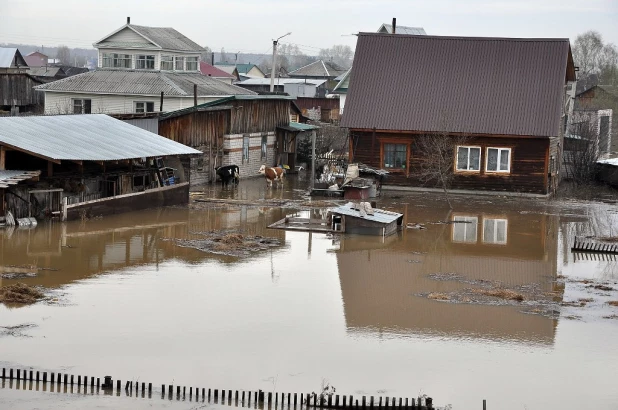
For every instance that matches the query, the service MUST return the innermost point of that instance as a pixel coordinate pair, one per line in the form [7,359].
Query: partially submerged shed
[88,165]
[361,218]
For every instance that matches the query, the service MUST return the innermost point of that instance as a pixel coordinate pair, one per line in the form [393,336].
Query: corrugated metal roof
[388,28]
[88,137]
[167,38]
[6,56]
[298,126]
[457,84]
[141,82]
[319,68]
[46,71]
[379,215]
[344,82]
[286,80]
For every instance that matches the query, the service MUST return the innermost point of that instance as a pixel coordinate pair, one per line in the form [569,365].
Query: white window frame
[168,62]
[181,60]
[493,240]
[468,147]
[192,60]
[144,106]
[112,60]
[498,170]
[145,59]
[82,104]
[245,149]
[264,146]
[392,167]
[466,222]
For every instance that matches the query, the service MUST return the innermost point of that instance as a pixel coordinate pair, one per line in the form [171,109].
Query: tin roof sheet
[458,84]
[278,81]
[319,68]
[379,215]
[142,82]
[388,28]
[12,177]
[6,56]
[88,137]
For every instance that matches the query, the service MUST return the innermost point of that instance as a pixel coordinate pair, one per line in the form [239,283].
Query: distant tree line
[594,57]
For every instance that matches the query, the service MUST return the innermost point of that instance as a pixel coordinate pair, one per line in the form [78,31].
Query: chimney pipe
[394,24]
[128,20]
[212,58]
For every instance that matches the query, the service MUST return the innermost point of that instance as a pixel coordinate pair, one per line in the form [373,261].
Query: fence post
[484,404]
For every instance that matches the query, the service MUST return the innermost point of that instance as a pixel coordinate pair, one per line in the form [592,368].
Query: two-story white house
[140,69]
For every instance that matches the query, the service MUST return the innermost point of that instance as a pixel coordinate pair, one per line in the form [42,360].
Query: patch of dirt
[505,294]
[613,303]
[20,293]
[438,296]
[228,243]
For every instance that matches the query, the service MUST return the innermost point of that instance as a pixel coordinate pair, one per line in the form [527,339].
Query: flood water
[352,310]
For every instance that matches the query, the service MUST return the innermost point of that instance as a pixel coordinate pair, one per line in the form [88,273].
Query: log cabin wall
[529,161]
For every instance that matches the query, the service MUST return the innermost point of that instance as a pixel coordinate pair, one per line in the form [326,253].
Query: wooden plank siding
[197,129]
[528,169]
[250,116]
[17,90]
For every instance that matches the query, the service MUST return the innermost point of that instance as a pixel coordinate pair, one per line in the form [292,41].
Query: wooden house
[70,166]
[504,97]
[243,130]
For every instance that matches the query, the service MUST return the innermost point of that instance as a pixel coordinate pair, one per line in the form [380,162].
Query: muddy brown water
[125,300]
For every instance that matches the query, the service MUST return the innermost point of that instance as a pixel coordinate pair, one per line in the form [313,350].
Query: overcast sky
[250,26]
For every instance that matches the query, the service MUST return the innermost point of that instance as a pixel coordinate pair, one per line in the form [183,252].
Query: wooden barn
[501,102]
[17,94]
[72,166]
[241,130]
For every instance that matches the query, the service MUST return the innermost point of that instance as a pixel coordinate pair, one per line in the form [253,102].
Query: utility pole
[272,71]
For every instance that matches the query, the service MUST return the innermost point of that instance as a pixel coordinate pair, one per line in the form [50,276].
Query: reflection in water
[62,253]
[379,284]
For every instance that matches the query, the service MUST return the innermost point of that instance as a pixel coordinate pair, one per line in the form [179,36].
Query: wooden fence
[65,383]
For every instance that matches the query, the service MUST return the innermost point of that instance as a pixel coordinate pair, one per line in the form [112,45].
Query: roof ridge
[466,38]
[325,69]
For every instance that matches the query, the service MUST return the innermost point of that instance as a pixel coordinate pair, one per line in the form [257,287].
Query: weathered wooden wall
[249,116]
[529,162]
[197,129]
[17,90]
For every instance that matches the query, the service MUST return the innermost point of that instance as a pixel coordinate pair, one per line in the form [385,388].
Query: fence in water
[66,383]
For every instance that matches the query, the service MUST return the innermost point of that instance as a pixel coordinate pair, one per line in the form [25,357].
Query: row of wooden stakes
[256,399]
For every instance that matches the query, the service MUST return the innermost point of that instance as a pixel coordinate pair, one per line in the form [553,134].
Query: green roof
[297,126]
[242,68]
[342,85]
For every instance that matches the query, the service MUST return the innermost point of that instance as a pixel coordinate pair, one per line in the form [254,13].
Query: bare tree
[206,55]
[339,54]
[581,153]
[592,56]
[437,159]
[329,138]
[64,55]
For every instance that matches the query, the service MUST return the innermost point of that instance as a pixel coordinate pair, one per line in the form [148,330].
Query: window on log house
[264,146]
[468,159]
[396,156]
[464,229]
[494,231]
[498,160]
[245,150]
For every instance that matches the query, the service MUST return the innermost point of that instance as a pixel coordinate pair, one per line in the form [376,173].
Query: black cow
[229,173]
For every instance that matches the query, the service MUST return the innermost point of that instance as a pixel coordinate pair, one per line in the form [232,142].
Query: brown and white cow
[272,174]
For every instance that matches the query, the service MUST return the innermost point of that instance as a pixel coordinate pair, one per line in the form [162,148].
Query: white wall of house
[300,89]
[341,102]
[62,103]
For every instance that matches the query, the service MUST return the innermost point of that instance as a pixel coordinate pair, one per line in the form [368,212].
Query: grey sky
[249,26]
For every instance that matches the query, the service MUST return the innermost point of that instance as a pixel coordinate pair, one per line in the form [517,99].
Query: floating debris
[228,243]
[505,294]
[20,293]
[16,330]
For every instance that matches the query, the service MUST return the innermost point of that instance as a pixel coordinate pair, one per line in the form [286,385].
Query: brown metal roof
[458,84]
